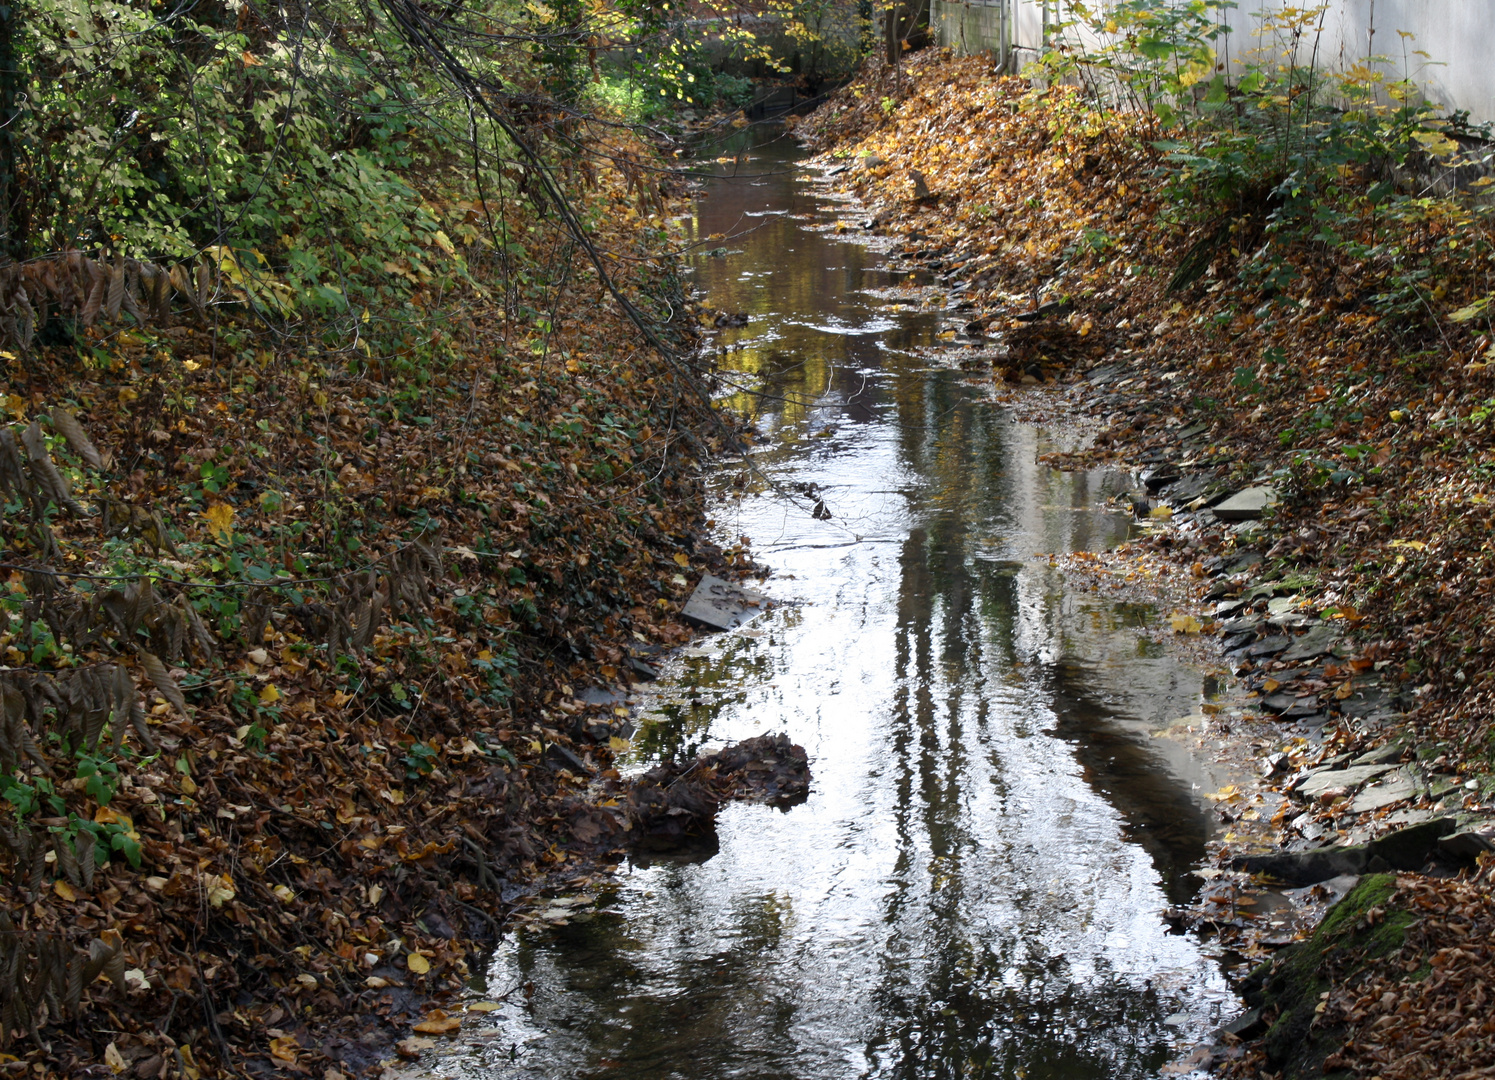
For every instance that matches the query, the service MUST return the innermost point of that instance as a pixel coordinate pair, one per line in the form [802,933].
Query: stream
[974,886]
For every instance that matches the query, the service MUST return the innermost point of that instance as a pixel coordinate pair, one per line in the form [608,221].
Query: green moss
[1302,974]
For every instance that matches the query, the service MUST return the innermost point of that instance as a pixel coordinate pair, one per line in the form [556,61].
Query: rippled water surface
[973,888]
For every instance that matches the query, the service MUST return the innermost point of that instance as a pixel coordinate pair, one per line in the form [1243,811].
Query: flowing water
[973,887]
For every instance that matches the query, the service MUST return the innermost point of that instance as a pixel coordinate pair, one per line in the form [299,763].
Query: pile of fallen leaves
[298,642]
[1424,1013]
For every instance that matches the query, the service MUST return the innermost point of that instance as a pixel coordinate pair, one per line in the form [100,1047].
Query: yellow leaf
[284,893]
[1160,513]
[618,745]
[1186,624]
[1229,791]
[220,889]
[64,890]
[681,559]
[1415,545]
[220,519]
[114,1059]
[439,1027]
[269,695]
[190,1069]
[284,1048]
[17,406]
[484,1006]
[417,963]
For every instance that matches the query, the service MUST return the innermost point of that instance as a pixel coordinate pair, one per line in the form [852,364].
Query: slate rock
[1269,646]
[558,757]
[1246,1026]
[1245,560]
[1322,780]
[1467,844]
[1389,754]
[1240,625]
[1395,788]
[1405,849]
[1273,764]
[1409,848]
[1318,641]
[1246,505]
[1195,486]
[722,605]
[1156,479]
[1278,703]
[1304,867]
[1301,709]
[1237,641]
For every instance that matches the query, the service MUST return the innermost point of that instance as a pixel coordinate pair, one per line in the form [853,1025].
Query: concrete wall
[1458,37]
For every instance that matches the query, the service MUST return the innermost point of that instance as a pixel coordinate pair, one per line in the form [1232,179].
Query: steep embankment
[297,634]
[1313,453]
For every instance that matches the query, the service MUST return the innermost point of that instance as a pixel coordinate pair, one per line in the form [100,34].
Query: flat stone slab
[1393,789]
[1469,843]
[718,604]
[1405,849]
[1246,505]
[1318,641]
[1329,779]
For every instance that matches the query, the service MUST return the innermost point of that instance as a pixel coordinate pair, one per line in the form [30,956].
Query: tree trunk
[14,219]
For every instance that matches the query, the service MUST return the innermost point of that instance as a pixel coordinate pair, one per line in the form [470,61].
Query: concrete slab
[722,605]
[1246,505]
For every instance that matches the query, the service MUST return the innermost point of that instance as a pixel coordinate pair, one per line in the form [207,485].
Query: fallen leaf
[444,1026]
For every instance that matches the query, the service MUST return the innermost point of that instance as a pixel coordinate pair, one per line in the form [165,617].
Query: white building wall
[1458,37]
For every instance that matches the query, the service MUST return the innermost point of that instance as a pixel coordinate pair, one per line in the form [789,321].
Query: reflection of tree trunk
[13,216]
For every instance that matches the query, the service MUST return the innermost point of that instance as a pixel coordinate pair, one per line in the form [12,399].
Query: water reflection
[973,888]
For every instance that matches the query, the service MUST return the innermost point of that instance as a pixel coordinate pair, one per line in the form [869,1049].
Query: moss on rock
[1357,929]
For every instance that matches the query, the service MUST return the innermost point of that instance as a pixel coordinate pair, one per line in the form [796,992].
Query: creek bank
[364,625]
[1308,557]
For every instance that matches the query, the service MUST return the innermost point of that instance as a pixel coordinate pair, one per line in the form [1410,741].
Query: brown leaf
[163,681]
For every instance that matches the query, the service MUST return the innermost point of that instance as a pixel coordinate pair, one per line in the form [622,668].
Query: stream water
[974,886]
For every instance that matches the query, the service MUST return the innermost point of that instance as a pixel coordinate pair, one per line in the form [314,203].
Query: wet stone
[1316,642]
[1246,505]
[721,605]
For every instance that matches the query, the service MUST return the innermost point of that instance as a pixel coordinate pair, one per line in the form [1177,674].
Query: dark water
[973,888]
